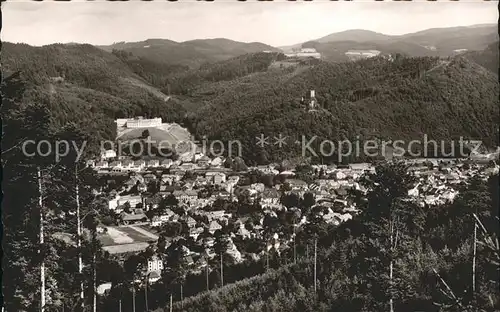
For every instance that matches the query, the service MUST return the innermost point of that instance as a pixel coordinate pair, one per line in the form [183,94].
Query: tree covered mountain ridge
[399,99]
[85,85]
[191,53]
[243,96]
[430,42]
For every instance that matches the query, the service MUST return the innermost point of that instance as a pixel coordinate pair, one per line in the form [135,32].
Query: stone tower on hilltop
[313,103]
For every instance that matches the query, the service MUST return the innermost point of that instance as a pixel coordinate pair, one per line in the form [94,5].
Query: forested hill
[182,80]
[192,53]
[488,58]
[398,99]
[85,85]
[335,51]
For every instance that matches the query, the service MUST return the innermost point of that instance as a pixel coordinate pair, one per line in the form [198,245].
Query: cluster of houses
[185,189]
[132,201]
[109,163]
[439,181]
[198,184]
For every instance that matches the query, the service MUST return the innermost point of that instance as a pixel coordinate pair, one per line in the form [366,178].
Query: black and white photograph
[250,156]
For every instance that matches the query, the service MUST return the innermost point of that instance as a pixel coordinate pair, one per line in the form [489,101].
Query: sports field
[126,235]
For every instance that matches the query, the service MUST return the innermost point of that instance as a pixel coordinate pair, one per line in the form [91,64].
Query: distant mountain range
[430,42]
[433,36]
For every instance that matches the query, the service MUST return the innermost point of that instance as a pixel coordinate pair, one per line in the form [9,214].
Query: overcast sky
[275,23]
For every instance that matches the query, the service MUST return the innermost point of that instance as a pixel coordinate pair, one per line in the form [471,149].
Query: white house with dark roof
[107,154]
[243,232]
[217,161]
[216,177]
[154,277]
[214,226]
[203,161]
[137,216]
[185,196]
[191,222]
[169,178]
[118,201]
[215,215]
[155,267]
[133,200]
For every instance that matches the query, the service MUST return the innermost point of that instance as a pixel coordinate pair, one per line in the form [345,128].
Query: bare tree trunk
[267,260]
[120,305]
[42,265]
[315,262]
[307,251]
[95,283]
[146,293]
[133,298]
[391,303]
[182,298]
[206,273]
[451,293]
[474,260]
[171,303]
[79,239]
[294,245]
